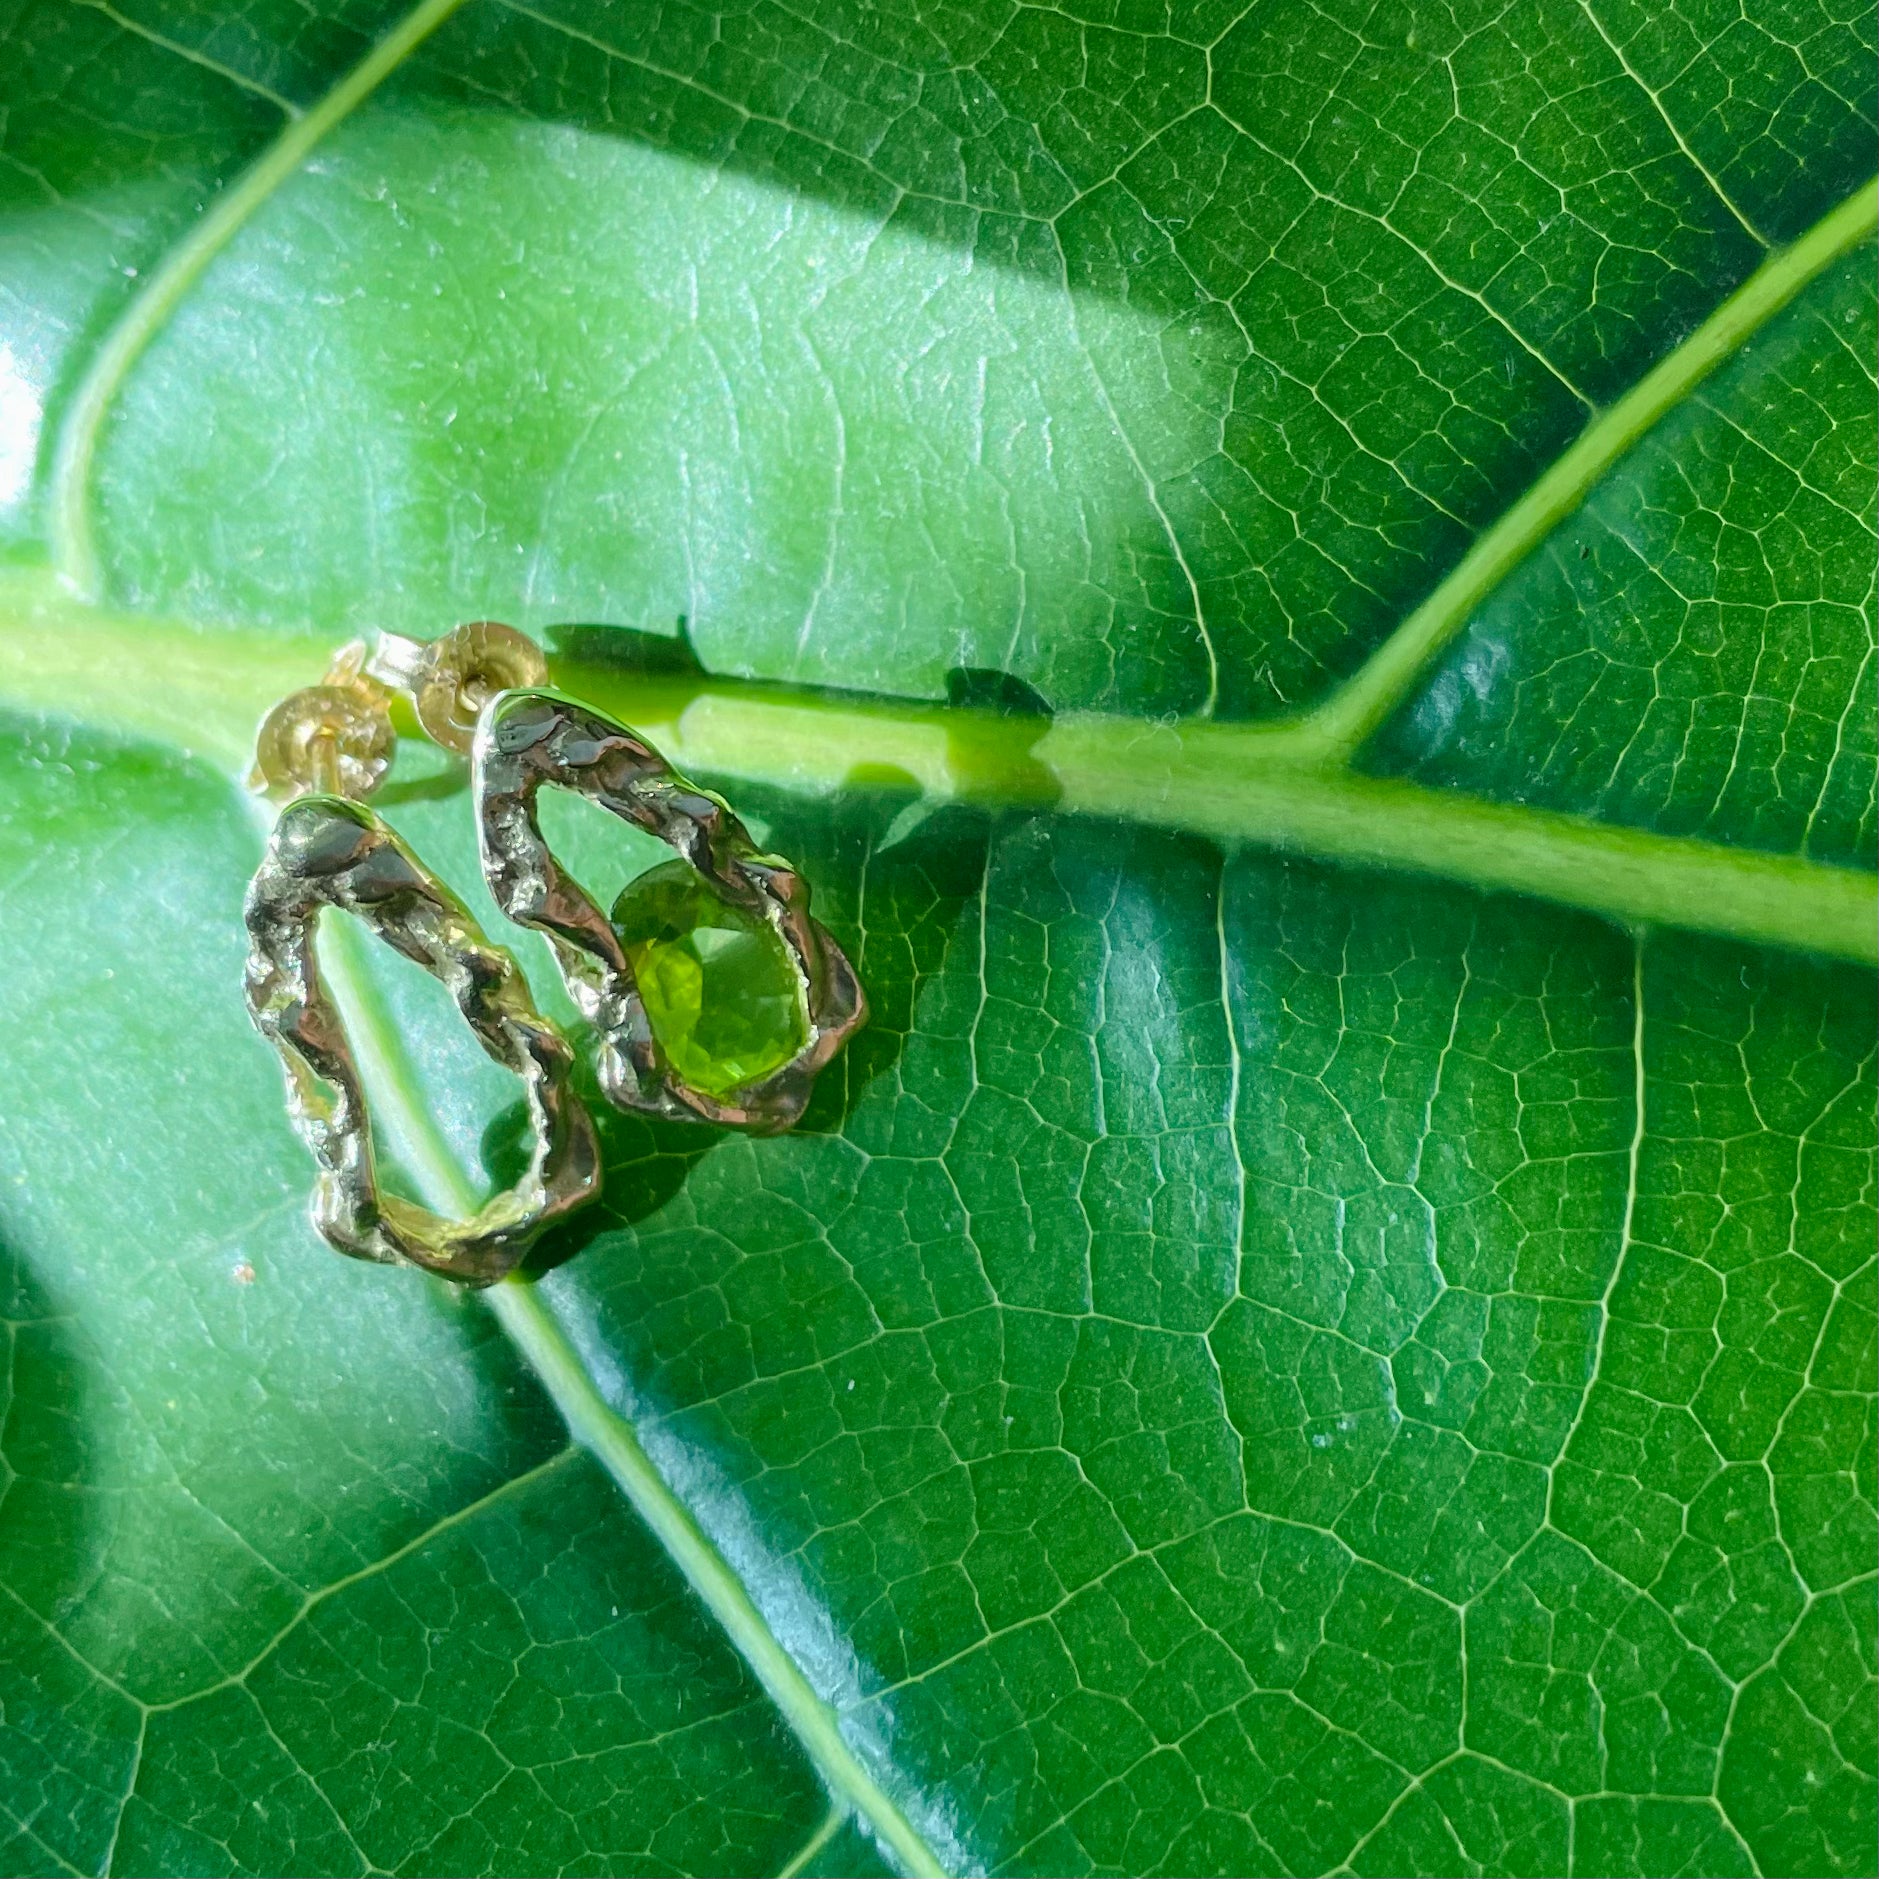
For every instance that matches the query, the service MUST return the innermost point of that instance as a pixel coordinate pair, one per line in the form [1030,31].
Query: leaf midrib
[1234,784]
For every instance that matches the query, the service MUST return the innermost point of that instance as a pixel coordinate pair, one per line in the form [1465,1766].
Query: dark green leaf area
[1353,251]
[1694,651]
[78,119]
[1251,1392]
[298,1574]
[84,112]
[1813,1717]
[532,1690]
[1158,361]
[1774,113]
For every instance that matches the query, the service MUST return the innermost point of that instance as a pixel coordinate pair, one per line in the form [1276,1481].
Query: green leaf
[1272,1353]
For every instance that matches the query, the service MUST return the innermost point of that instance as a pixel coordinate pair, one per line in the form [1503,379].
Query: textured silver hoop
[528,738]
[328,852]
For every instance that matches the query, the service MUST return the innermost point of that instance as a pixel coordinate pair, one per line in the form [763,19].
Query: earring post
[323,761]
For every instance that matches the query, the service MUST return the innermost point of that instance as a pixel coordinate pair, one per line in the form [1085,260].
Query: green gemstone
[722,993]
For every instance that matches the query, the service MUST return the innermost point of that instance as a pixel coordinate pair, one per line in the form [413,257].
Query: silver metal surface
[528,738]
[328,852]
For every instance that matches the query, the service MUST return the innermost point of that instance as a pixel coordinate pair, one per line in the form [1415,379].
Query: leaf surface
[1251,1366]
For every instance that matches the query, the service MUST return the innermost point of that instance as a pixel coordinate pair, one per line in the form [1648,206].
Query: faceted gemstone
[722,993]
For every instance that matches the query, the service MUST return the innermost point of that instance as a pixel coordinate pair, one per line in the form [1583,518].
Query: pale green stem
[1237,784]
[1340,726]
[400,1110]
[74,553]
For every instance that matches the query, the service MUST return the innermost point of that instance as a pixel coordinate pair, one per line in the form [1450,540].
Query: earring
[326,747]
[714,994]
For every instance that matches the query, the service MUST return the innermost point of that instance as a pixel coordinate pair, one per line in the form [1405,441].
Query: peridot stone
[722,994]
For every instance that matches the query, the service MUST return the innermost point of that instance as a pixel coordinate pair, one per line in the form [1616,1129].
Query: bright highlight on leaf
[843,453]
[1267,1356]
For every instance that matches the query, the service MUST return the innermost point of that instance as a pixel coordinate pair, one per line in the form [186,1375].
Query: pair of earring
[479,691]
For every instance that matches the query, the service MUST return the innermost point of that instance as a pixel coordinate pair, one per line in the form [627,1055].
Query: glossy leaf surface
[1250,1366]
